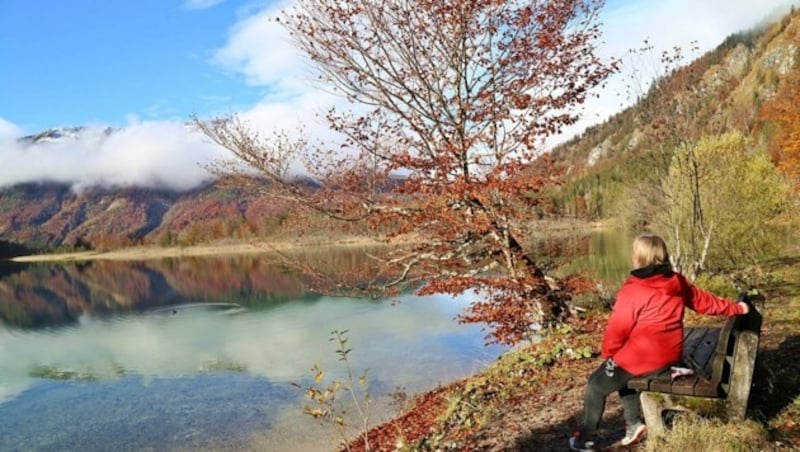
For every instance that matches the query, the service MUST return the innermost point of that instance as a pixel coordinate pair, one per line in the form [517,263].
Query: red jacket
[645,330]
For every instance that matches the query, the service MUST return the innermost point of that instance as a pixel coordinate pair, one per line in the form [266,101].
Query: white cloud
[678,22]
[260,50]
[9,130]
[201,4]
[160,154]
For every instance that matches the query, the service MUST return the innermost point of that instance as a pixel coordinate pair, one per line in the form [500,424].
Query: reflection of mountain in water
[47,295]
[57,294]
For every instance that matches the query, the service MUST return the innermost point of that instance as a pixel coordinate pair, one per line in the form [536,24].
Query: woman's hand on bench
[745,307]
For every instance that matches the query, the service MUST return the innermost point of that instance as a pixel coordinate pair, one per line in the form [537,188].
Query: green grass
[693,433]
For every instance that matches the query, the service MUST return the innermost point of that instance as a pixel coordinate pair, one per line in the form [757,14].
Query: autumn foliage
[784,109]
[451,101]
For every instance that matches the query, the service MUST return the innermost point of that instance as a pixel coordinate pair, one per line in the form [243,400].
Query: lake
[204,353]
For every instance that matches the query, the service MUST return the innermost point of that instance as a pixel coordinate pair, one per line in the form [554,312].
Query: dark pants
[603,381]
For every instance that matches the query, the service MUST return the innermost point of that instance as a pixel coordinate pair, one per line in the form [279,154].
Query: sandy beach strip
[156,252]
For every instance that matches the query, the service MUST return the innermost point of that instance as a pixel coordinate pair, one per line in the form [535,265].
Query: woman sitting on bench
[644,334]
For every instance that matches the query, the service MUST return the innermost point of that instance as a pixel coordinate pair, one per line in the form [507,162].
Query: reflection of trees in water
[561,247]
[603,256]
[270,276]
[347,271]
[212,278]
[9,268]
[42,295]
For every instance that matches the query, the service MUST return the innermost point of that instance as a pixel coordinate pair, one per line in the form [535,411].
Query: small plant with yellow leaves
[327,409]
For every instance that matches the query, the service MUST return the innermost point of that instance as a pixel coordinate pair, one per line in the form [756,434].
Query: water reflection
[602,255]
[280,343]
[177,354]
[8,268]
[46,295]
[206,347]
[207,372]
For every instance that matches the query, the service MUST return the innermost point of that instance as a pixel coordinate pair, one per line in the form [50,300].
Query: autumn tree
[451,102]
[720,194]
[784,109]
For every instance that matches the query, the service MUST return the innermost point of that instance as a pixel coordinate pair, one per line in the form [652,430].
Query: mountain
[67,215]
[722,90]
[67,133]
[52,215]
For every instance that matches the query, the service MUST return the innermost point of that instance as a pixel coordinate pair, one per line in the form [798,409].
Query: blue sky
[71,62]
[87,61]
[146,66]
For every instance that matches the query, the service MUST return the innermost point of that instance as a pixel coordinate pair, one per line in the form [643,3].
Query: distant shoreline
[155,252]
[148,252]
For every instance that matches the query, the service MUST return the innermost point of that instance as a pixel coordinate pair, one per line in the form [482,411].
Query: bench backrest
[725,357]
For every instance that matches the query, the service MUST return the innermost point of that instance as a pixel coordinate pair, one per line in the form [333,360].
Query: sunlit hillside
[727,89]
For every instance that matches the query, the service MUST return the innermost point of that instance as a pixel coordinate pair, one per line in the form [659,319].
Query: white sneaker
[634,433]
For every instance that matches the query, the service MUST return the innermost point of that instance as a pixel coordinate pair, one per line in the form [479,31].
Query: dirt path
[545,421]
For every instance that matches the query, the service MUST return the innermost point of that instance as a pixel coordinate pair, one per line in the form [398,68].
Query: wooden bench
[723,358]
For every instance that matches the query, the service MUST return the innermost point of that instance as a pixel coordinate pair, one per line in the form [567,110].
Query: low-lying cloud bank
[158,154]
[9,130]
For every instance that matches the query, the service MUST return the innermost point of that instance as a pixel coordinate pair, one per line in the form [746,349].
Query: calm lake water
[202,354]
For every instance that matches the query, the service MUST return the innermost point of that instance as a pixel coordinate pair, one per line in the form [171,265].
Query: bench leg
[742,375]
[654,404]
[652,407]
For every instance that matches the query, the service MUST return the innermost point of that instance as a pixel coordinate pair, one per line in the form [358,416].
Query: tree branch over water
[452,101]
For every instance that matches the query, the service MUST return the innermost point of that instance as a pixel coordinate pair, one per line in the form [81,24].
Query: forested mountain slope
[734,88]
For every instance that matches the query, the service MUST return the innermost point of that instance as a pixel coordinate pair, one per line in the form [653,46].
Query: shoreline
[149,252]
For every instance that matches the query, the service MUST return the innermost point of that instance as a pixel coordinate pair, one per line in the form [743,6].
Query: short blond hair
[649,249]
